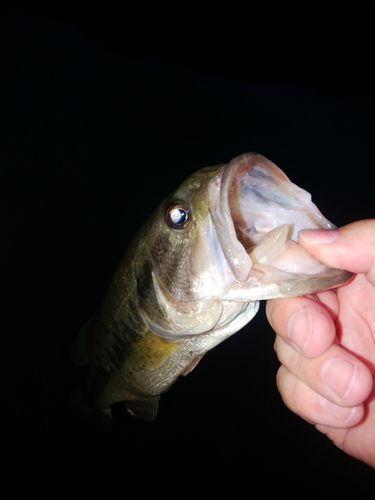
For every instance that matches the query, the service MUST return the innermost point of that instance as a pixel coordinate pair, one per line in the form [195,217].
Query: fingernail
[300,328]
[318,236]
[339,376]
[338,412]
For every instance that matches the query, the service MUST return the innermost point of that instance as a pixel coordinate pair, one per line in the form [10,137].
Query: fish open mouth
[257,213]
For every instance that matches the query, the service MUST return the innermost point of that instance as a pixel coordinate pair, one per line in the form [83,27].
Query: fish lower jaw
[265,282]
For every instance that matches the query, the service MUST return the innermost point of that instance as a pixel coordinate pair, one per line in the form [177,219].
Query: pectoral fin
[192,365]
[145,409]
[98,418]
[79,354]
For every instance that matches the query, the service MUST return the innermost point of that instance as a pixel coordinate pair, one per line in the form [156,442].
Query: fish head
[225,239]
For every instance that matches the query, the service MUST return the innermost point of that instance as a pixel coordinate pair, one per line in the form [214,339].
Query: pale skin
[326,343]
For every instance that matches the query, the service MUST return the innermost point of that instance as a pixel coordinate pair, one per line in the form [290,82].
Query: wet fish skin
[127,361]
[189,280]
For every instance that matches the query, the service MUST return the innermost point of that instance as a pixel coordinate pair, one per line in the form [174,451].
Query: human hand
[326,343]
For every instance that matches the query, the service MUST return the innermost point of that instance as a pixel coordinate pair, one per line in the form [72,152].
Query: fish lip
[220,211]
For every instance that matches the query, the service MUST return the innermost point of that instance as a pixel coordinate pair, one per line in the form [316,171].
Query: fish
[192,276]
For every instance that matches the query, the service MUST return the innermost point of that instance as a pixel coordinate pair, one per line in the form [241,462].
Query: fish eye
[178,216]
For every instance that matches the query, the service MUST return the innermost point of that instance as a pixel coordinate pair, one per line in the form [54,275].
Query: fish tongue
[276,250]
[271,245]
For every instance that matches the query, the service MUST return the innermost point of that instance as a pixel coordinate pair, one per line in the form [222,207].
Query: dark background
[103,112]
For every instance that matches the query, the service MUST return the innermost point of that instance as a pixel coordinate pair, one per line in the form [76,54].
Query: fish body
[193,276]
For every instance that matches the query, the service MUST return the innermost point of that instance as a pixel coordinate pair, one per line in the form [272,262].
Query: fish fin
[145,409]
[103,420]
[98,418]
[192,365]
[80,353]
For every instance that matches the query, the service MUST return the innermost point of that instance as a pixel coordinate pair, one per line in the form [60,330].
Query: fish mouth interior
[258,216]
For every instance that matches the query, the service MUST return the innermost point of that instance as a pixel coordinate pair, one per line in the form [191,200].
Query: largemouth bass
[193,275]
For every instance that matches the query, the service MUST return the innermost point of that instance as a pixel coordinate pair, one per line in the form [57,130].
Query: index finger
[350,247]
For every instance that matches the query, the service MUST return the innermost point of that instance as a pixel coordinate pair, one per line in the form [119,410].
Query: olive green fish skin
[128,361]
[182,288]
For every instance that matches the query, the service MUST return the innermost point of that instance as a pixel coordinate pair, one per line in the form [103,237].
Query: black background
[103,112]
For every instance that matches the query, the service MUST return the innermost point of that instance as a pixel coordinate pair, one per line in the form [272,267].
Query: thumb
[351,247]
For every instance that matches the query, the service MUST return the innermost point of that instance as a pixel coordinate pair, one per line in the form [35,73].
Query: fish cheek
[169,259]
